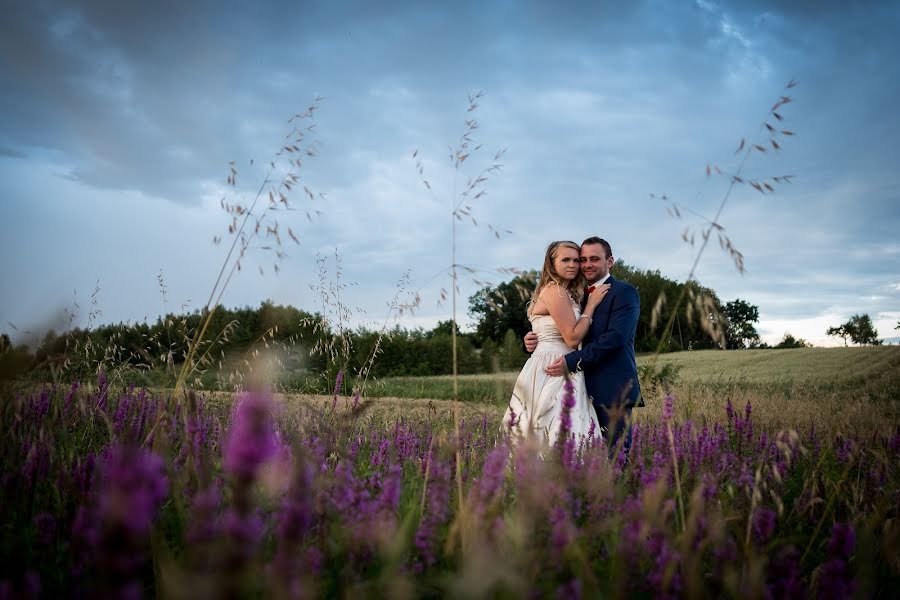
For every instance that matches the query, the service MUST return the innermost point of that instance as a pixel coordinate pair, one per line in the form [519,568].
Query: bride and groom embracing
[583,324]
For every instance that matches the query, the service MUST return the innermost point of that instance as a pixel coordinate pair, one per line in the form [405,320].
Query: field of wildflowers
[125,493]
[115,491]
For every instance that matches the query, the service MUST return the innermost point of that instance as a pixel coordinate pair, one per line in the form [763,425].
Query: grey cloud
[12,153]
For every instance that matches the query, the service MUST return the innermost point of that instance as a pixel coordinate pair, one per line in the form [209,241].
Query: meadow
[832,387]
[736,486]
[752,474]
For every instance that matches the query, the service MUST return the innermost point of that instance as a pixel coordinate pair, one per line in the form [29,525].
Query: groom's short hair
[595,240]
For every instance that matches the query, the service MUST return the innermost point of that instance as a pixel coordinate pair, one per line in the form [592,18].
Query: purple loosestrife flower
[122,410]
[297,510]
[668,407]
[389,500]
[44,528]
[763,524]
[512,418]
[490,485]
[568,403]
[244,531]
[113,532]
[37,461]
[784,575]
[435,515]
[202,527]
[842,541]
[132,486]
[562,533]
[338,385]
[252,440]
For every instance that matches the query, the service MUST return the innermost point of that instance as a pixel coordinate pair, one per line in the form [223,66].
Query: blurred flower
[132,486]
[842,541]
[763,524]
[252,440]
[668,407]
[435,514]
[784,575]
[568,403]
[201,526]
[44,528]
[490,484]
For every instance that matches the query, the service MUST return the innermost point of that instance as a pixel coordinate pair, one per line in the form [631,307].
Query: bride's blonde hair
[549,276]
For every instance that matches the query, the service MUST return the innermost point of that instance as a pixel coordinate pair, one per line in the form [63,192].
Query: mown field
[828,386]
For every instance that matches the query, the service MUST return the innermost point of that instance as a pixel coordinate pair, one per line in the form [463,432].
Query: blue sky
[118,121]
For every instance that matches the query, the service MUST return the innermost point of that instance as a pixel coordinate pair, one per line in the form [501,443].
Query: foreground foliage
[113,492]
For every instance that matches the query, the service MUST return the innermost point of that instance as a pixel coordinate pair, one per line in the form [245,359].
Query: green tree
[512,355]
[838,331]
[859,329]
[503,307]
[695,325]
[789,341]
[740,332]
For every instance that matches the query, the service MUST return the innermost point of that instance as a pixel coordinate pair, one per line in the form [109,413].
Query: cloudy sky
[118,121]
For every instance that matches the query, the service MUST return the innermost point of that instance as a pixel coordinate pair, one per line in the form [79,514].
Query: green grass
[838,389]
[759,369]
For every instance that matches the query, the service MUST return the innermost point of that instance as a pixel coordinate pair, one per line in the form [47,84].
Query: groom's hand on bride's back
[531,341]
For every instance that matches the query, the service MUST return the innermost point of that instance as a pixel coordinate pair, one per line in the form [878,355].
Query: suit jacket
[607,351]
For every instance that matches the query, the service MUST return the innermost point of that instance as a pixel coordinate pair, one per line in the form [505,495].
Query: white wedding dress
[535,409]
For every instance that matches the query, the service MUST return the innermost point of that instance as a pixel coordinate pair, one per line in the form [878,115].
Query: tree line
[311,344]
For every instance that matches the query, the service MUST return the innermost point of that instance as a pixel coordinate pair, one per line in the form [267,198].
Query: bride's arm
[560,306]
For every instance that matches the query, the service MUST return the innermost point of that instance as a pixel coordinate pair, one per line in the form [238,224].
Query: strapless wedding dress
[535,409]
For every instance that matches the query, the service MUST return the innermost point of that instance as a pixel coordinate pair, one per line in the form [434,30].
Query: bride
[535,409]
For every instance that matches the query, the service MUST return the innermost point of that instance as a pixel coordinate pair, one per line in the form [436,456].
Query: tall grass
[324,500]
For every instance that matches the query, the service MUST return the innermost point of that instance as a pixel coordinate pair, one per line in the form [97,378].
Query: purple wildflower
[252,440]
[785,577]
[490,485]
[763,524]
[244,532]
[842,541]
[132,487]
[436,511]
[44,528]
[338,384]
[202,524]
[568,403]
[668,407]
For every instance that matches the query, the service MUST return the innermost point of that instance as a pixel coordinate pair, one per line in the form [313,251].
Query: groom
[607,352]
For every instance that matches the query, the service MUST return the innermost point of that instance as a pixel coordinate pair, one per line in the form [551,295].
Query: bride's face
[567,263]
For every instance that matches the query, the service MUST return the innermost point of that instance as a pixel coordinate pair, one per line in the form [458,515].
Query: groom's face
[594,262]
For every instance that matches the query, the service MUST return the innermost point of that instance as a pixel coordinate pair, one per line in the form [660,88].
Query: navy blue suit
[607,358]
